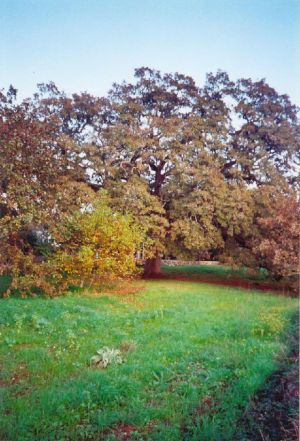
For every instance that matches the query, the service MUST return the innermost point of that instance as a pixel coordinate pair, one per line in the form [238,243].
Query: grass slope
[197,354]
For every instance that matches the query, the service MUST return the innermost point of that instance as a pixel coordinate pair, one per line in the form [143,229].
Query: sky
[86,45]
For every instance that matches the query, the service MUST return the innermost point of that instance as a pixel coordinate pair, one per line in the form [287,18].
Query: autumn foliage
[97,245]
[277,247]
[187,171]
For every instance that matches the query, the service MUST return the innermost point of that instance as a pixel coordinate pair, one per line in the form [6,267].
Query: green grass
[5,282]
[215,271]
[199,352]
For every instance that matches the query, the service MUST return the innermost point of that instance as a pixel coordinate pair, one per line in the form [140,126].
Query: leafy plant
[97,245]
[106,356]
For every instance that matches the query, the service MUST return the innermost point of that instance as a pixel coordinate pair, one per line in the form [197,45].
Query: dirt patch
[122,288]
[126,291]
[207,406]
[273,414]
[126,288]
[122,432]
[19,346]
[20,374]
[126,295]
[3,383]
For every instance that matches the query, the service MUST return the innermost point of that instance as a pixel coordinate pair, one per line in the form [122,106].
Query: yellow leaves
[88,248]
[99,245]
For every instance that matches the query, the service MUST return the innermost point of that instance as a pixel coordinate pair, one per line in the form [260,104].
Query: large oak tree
[197,167]
[199,151]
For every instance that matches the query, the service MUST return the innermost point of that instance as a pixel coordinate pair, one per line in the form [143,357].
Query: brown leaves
[278,245]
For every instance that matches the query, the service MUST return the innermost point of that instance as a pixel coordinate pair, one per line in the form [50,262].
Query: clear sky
[89,44]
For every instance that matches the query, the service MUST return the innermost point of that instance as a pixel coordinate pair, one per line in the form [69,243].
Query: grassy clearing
[215,271]
[193,356]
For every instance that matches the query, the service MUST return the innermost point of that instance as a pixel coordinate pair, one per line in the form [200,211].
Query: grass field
[193,355]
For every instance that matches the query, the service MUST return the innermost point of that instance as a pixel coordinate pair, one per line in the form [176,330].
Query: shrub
[96,246]
[88,248]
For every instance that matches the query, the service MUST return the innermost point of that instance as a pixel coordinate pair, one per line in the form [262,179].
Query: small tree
[86,248]
[97,245]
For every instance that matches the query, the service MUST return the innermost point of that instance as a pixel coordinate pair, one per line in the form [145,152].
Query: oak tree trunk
[153,267]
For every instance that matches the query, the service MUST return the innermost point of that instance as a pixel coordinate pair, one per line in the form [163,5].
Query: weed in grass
[106,356]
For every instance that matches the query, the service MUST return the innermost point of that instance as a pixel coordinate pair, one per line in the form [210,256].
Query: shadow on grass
[5,281]
[226,276]
[273,413]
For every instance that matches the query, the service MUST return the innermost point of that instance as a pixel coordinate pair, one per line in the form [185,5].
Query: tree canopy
[200,151]
[199,169]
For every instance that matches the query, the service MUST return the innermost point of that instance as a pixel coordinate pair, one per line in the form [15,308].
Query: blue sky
[89,44]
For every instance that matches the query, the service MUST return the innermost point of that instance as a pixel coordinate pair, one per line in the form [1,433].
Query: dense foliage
[277,247]
[86,248]
[97,245]
[209,156]
[200,170]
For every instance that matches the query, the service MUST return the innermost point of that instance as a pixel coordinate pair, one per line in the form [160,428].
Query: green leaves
[133,198]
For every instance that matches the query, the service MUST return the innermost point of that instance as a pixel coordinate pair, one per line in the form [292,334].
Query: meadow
[191,357]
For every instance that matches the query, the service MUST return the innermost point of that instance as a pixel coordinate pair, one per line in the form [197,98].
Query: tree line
[160,163]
